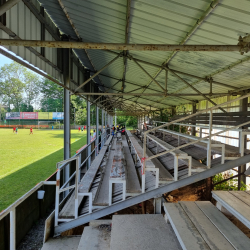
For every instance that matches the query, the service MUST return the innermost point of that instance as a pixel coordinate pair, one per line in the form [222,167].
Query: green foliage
[18,85]
[231,184]
[52,96]
[78,105]
[129,121]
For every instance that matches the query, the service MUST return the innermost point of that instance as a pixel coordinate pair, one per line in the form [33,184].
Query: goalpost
[48,124]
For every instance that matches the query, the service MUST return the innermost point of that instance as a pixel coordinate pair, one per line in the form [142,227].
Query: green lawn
[27,159]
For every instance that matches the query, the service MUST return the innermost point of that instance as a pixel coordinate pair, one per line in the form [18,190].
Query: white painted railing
[12,211]
[209,141]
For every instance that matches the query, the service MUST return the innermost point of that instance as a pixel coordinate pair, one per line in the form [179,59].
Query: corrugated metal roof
[159,22]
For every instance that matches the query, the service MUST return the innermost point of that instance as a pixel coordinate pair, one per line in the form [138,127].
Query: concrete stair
[137,232]
[96,236]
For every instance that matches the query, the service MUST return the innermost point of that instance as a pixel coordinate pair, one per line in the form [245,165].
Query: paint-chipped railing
[63,186]
[12,211]
[209,142]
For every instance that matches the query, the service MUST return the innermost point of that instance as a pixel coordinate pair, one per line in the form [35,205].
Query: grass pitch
[27,159]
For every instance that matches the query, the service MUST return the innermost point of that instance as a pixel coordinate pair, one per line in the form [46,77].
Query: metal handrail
[210,110]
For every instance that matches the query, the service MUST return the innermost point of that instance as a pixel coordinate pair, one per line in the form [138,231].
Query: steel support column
[88,132]
[97,130]
[242,168]
[66,81]
[194,110]
[102,126]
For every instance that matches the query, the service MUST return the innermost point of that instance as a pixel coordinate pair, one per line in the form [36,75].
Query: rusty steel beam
[152,78]
[194,28]
[97,73]
[149,94]
[196,90]
[118,46]
[7,5]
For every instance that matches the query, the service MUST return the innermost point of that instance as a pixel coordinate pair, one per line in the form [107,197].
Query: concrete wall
[27,214]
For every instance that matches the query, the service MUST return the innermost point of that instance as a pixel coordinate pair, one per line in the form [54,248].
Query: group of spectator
[118,128]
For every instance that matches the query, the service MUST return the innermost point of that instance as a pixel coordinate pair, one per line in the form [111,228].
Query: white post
[115,118]
[209,142]
[57,196]
[175,168]
[76,188]
[88,133]
[13,229]
[97,130]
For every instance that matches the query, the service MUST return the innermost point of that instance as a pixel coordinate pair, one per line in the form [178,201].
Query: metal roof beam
[196,90]
[121,46]
[194,28]
[161,67]
[8,5]
[97,73]
[125,52]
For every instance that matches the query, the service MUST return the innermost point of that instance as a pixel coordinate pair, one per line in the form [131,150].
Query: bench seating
[117,171]
[68,211]
[178,154]
[230,151]
[200,225]
[236,202]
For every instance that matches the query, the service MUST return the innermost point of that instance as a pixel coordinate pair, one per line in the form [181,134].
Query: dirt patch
[194,192]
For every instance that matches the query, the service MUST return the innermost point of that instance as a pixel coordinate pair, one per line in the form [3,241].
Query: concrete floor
[62,243]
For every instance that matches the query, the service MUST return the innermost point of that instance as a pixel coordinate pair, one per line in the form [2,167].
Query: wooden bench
[149,165]
[200,225]
[117,172]
[178,154]
[236,202]
[68,211]
[133,184]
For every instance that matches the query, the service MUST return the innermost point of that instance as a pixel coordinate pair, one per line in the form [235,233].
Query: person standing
[79,129]
[14,129]
[94,134]
[31,131]
[84,127]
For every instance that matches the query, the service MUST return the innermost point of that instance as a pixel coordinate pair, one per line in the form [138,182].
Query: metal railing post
[209,140]
[13,229]
[57,196]
[76,186]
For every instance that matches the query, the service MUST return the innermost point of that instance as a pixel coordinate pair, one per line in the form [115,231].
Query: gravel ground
[34,238]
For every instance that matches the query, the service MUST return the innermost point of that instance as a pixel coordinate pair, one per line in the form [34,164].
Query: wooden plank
[235,206]
[187,234]
[164,175]
[196,165]
[212,236]
[118,169]
[236,237]
[165,145]
[102,195]
[242,195]
[88,178]
[133,184]
[139,151]
[129,133]
[108,141]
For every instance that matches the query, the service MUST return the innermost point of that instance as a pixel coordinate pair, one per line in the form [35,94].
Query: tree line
[25,91]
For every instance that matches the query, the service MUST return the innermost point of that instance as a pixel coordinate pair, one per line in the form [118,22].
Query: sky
[4,60]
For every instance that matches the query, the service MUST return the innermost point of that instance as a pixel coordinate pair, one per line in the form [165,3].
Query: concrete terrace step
[200,225]
[142,232]
[96,236]
[62,243]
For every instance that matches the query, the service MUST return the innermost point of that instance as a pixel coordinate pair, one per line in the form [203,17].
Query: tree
[18,86]
[11,84]
[52,96]
[78,105]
